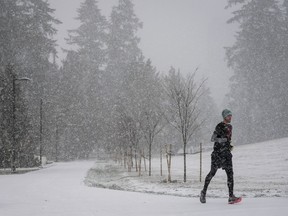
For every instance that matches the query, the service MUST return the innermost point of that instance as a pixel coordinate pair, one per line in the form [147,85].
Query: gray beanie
[226,113]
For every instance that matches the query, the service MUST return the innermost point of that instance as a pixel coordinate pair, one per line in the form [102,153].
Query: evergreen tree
[70,115]
[26,44]
[11,27]
[123,52]
[6,100]
[283,99]
[122,42]
[255,60]
[39,47]
[83,72]
[91,36]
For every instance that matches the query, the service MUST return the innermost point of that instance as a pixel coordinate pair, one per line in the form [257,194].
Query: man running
[221,156]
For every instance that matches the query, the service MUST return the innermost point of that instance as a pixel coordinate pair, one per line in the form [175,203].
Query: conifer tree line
[107,99]
[26,44]
[259,59]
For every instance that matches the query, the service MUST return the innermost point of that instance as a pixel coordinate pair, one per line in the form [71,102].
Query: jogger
[221,156]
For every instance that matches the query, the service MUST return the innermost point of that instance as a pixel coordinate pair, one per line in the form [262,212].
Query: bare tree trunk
[161,170]
[129,164]
[150,155]
[130,160]
[184,151]
[139,169]
[131,157]
[125,160]
[144,161]
[168,157]
[136,165]
[200,162]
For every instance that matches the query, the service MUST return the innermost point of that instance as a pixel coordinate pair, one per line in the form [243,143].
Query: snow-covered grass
[260,170]
[60,190]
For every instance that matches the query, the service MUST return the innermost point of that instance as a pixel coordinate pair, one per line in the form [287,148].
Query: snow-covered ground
[260,170]
[59,190]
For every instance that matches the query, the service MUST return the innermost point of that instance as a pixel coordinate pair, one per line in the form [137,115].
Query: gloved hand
[231,146]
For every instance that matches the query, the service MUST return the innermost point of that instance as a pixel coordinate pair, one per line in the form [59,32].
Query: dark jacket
[222,137]
[221,157]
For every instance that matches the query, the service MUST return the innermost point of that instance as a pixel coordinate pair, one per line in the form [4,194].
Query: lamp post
[41,131]
[13,153]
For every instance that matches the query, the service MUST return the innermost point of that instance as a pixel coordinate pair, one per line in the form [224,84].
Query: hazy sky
[180,33]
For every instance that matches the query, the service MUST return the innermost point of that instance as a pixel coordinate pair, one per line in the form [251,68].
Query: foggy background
[185,34]
[125,89]
[131,98]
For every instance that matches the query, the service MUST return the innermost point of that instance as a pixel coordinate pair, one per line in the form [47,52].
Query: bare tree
[151,126]
[182,107]
[151,106]
[168,158]
[128,135]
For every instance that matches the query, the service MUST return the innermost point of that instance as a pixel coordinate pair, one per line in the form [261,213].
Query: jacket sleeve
[215,137]
[218,140]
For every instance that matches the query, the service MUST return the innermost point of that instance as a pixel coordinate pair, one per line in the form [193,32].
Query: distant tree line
[259,59]
[115,100]
[106,98]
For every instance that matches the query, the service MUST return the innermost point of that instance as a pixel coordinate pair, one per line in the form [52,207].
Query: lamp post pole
[13,156]
[41,131]
[200,161]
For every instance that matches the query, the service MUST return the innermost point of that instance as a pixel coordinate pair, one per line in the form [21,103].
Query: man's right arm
[218,140]
[215,137]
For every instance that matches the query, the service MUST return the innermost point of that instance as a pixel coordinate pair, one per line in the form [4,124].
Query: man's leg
[207,181]
[230,180]
[211,174]
[208,178]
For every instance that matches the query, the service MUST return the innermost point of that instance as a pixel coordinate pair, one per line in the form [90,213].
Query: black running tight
[230,180]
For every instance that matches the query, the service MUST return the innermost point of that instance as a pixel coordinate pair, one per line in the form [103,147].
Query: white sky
[180,33]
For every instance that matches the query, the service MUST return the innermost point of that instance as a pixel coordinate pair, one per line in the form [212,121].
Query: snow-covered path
[60,191]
